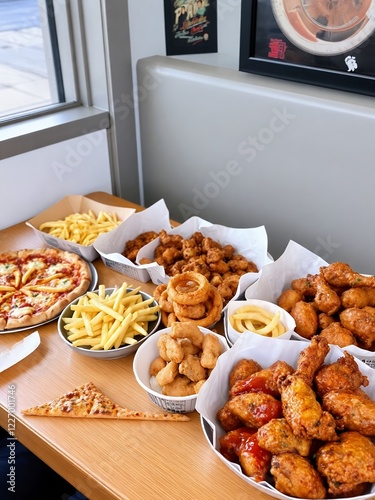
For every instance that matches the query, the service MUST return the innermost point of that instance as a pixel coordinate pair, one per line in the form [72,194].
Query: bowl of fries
[109,323]
[259,317]
[174,381]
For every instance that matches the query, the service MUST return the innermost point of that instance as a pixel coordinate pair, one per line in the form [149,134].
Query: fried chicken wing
[227,419]
[342,275]
[311,359]
[306,318]
[304,413]
[255,408]
[336,334]
[358,297]
[295,476]
[243,369]
[277,437]
[305,285]
[326,299]
[361,322]
[288,298]
[357,452]
[352,411]
[343,374]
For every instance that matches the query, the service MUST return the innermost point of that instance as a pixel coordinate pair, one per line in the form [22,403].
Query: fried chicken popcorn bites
[219,264]
[186,358]
[337,303]
[319,445]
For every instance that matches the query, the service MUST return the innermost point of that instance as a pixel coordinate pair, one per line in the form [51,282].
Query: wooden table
[108,459]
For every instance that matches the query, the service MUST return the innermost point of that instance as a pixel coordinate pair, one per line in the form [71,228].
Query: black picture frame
[271,46]
[190,31]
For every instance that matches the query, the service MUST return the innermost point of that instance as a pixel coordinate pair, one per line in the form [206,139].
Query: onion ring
[159,290]
[193,312]
[165,303]
[188,288]
[214,306]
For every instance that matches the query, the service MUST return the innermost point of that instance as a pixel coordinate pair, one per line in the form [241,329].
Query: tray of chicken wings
[331,300]
[293,418]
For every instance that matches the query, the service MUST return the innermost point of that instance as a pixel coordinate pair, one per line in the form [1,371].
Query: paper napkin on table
[19,351]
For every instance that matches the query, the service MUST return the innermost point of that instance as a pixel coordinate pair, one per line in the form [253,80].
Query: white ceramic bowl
[147,352]
[286,319]
[113,353]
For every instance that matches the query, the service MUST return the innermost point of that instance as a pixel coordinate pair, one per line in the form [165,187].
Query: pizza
[37,284]
[87,401]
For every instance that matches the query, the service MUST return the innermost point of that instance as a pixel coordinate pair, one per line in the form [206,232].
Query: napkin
[19,351]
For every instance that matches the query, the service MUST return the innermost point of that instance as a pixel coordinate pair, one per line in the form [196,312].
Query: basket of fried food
[189,297]
[174,364]
[329,300]
[293,419]
[230,258]
[76,222]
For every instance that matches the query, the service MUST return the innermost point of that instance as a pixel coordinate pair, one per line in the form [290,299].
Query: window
[31,69]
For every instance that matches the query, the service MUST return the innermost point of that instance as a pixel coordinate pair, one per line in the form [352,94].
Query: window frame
[96,64]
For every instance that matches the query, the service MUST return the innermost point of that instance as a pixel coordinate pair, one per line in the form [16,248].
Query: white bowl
[113,353]
[147,352]
[233,335]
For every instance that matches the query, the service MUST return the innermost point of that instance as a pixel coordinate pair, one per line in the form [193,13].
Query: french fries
[81,228]
[101,321]
[256,319]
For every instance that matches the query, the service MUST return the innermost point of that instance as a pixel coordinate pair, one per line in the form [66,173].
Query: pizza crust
[87,401]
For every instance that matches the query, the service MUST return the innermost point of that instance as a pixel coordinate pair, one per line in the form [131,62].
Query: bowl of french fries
[259,317]
[109,323]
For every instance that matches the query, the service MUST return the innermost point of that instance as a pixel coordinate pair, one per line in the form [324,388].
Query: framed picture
[190,26]
[329,43]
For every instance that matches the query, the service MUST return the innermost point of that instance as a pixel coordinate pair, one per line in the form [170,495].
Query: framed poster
[190,26]
[330,43]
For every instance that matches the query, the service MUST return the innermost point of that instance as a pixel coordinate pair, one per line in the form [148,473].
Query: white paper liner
[110,246]
[214,393]
[19,351]
[252,243]
[295,262]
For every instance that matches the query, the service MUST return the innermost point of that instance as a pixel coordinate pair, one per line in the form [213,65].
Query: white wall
[33,181]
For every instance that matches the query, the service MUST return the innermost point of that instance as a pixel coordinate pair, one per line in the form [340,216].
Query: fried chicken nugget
[188,330]
[167,374]
[180,386]
[211,350]
[188,347]
[191,367]
[158,364]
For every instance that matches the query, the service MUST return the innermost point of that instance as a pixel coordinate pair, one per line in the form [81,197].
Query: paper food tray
[214,393]
[67,206]
[251,243]
[111,245]
[295,262]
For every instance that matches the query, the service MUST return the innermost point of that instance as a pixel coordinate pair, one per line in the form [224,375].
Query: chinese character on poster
[190,26]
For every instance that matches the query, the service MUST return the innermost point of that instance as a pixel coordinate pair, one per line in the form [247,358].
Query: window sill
[35,133]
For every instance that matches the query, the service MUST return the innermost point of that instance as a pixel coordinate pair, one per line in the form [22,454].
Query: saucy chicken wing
[277,437]
[265,380]
[255,408]
[352,411]
[343,374]
[242,370]
[295,476]
[357,452]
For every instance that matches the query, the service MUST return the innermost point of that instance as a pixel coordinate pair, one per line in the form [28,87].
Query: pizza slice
[87,401]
